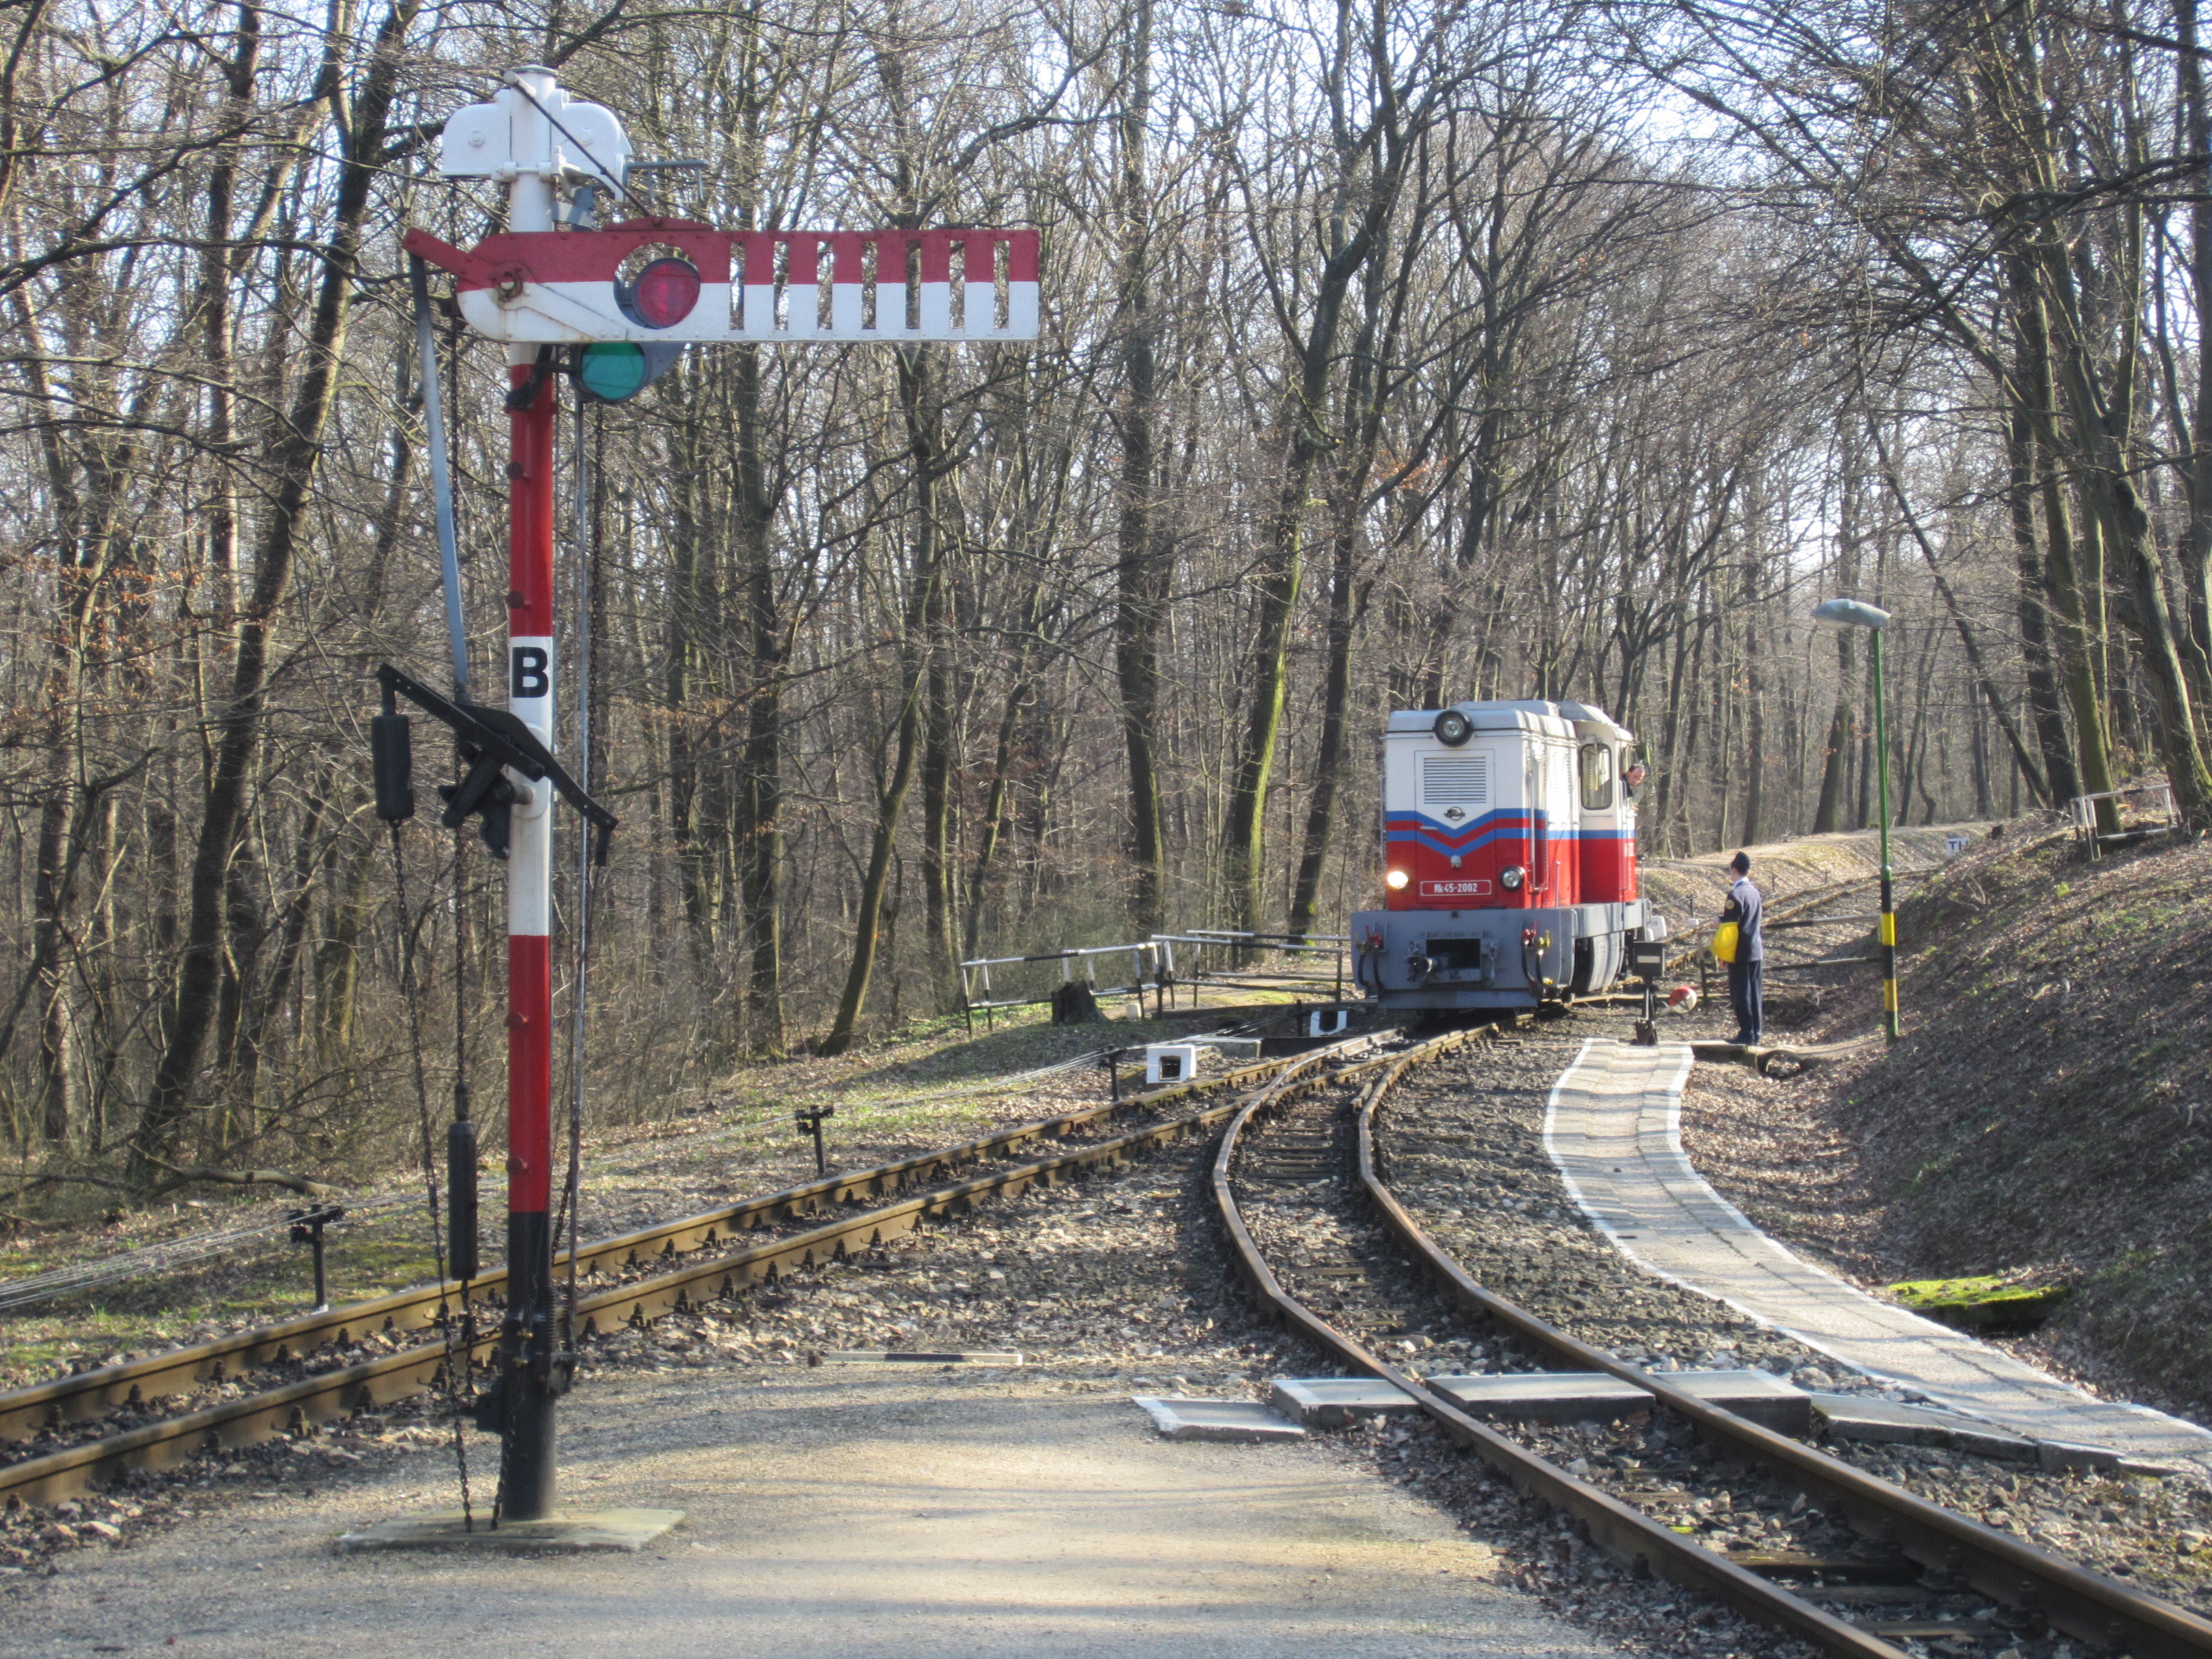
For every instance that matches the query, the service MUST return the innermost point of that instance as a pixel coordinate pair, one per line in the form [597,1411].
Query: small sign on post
[808,1119]
[1647,960]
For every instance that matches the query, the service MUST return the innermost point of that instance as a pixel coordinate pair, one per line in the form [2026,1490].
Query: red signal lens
[664,293]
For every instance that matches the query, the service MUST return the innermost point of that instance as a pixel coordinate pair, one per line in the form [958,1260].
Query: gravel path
[842,1510]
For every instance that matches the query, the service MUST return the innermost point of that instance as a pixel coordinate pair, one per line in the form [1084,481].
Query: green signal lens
[613,370]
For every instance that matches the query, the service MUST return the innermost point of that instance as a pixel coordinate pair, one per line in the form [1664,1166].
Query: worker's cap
[1740,864]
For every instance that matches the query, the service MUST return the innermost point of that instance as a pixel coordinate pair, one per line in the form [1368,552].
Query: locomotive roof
[1522,714]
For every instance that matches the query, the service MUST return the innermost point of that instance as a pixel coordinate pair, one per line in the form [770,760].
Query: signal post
[609,306]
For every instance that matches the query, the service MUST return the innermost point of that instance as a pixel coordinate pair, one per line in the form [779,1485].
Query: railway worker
[1746,908]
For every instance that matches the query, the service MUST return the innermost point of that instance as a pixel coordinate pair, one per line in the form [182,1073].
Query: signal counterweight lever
[493,742]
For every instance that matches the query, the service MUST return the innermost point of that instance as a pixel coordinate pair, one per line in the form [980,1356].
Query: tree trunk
[938,717]
[296,454]
[921,607]
[2043,689]
[2197,541]
[762,802]
[1336,695]
[1145,566]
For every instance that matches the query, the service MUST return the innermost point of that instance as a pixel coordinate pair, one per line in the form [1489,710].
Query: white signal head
[532,126]
[594,142]
[477,143]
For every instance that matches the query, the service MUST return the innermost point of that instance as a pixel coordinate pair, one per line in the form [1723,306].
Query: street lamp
[1854,613]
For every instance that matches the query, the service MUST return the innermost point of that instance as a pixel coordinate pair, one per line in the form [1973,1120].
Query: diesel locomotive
[1509,858]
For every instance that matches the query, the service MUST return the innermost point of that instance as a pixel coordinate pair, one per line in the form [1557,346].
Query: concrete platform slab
[1613,1129]
[1546,1396]
[1763,1397]
[1336,1402]
[586,1530]
[832,1512]
[1855,1417]
[1232,1420]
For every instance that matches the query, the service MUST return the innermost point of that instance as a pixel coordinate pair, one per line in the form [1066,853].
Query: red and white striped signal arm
[671,279]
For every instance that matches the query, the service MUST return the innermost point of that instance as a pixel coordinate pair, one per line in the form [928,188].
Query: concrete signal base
[582,1531]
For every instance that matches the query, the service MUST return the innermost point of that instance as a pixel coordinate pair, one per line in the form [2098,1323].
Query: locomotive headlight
[1512,877]
[1396,880]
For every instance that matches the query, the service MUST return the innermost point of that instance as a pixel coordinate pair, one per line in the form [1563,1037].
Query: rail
[2008,1570]
[2076,1601]
[49,1477]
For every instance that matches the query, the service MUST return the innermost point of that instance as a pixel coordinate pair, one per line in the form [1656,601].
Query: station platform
[836,1510]
[1613,1129]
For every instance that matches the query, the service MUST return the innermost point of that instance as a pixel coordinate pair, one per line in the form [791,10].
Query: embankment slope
[2048,1112]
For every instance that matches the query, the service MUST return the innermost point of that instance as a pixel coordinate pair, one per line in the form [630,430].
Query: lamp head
[1850,613]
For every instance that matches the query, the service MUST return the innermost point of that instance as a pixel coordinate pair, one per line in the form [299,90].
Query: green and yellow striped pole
[1889,893]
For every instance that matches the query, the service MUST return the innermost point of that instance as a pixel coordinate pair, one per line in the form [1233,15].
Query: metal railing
[1240,947]
[2154,799]
[975,987]
[1210,956]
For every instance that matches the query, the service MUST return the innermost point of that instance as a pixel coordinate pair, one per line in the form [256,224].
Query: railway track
[1351,1271]
[655,1270]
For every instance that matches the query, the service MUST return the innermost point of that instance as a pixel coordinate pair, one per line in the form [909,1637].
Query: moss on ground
[1983,1302]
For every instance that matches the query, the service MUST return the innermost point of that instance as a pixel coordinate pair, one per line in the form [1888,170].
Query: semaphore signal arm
[575,286]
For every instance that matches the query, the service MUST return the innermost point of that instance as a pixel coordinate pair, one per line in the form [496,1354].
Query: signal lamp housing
[614,371]
[664,292]
[1396,880]
[1512,877]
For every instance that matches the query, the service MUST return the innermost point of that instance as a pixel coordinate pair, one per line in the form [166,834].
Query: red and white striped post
[526,1356]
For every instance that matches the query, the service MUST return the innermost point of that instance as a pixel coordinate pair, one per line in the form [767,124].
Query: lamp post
[1854,613]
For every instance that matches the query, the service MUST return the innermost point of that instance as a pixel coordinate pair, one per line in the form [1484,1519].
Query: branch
[186,1174]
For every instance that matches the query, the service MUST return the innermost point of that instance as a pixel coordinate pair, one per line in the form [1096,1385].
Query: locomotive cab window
[1597,777]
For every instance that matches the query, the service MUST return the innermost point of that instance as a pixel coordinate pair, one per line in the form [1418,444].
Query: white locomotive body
[1509,851]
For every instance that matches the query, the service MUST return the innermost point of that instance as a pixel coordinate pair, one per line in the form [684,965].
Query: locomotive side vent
[1455,780]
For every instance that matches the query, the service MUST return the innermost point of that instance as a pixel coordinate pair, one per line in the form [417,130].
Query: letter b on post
[527,672]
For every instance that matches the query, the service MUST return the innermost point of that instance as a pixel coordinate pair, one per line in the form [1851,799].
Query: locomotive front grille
[1455,780]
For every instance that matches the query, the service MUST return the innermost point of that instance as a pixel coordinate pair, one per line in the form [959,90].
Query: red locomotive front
[1509,858]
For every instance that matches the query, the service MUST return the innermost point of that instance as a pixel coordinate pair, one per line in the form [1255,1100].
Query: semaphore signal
[608,306]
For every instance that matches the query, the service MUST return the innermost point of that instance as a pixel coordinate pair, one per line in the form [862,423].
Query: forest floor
[2046,1117]
[929,1085]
